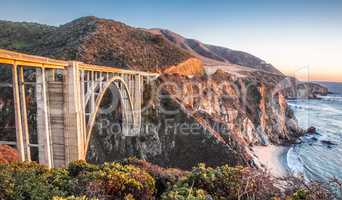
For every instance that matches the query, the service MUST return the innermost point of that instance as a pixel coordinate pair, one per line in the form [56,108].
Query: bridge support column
[18,122]
[43,122]
[137,88]
[73,113]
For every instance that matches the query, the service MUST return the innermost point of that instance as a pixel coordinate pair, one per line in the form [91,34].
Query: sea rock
[327,142]
[311,130]
[295,89]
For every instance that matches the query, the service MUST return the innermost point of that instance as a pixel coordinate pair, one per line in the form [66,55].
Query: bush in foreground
[164,177]
[243,183]
[224,182]
[109,181]
[139,180]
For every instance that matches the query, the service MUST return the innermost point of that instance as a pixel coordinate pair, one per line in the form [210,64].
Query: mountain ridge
[97,41]
[215,55]
[109,42]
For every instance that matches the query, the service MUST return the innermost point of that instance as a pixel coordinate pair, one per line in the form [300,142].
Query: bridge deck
[11,57]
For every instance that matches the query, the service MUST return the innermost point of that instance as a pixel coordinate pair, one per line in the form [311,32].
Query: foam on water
[315,157]
[294,162]
[309,107]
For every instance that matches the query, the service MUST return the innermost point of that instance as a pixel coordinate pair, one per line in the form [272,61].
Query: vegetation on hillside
[135,179]
[22,36]
[95,41]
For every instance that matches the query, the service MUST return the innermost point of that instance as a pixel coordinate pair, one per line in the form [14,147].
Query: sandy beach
[273,158]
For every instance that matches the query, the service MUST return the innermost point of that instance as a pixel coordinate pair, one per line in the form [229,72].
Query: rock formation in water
[293,89]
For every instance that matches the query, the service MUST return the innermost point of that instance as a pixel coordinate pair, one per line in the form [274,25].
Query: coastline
[273,158]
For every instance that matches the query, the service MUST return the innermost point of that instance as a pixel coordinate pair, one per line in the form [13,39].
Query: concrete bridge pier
[74,133]
[43,121]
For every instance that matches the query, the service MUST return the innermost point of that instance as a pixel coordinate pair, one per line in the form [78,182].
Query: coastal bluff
[231,110]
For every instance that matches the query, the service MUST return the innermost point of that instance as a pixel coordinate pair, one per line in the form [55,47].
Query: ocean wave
[314,107]
[314,158]
[294,162]
[331,97]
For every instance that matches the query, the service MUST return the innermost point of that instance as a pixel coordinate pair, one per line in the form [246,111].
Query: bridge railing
[11,58]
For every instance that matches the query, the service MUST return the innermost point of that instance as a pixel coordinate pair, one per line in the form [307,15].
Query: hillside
[93,40]
[215,55]
[22,36]
[108,42]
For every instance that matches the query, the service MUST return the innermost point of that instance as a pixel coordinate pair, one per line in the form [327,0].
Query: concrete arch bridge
[68,95]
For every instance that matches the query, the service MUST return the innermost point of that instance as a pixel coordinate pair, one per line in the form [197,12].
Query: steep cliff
[215,119]
[211,119]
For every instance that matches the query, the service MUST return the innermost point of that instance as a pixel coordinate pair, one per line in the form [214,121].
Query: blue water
[314,158]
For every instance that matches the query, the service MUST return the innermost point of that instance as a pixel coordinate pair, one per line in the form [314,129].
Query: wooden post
[74,142]
[43,122]
[18,125]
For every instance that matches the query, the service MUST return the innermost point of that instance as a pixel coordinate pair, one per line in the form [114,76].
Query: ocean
[319,157]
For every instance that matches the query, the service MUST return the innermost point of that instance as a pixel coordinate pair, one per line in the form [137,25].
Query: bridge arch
[121,85]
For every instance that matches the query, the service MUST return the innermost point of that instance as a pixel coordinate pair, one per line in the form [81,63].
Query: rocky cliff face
[212,119]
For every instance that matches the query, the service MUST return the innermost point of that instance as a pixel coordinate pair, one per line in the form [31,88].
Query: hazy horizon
[299,38]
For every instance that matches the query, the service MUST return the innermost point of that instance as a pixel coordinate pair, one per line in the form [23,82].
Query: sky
[302,38]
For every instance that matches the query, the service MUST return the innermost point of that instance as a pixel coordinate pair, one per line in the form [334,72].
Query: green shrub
[83,181]
[110,181]
[227,183]
[164,177]
[78,167]
[72,198]
[61,181]
[299,189]
[300,194]
[26,181]
[119,180]
[184,192]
